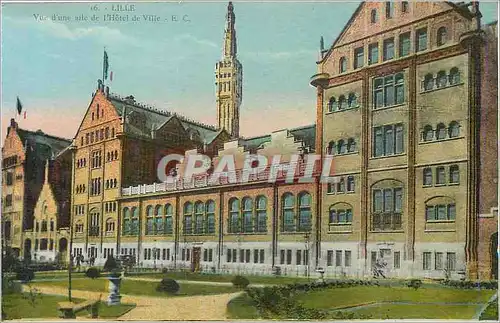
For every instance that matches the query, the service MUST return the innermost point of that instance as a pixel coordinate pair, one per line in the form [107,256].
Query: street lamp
[155,250]
[306,241]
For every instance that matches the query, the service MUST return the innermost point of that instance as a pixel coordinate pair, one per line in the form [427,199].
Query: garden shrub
[240,282]
[415,284]
[467,284]
[168,286]
[92,272]
[25,274]
[10,286]
[110,264]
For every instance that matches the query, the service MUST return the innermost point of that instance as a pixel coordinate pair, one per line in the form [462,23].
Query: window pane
[377,201]
[389,141]
[379,142]
[399,139]
[338,258]
[388,49]
[358,57]
[429,213]
[398,199]
[451,212]
[347,258]
[427,261]
[404,44]
[333,216]
[373,58]
[388,205]
[421,40]
[440,177]
[441,212]
[438,261]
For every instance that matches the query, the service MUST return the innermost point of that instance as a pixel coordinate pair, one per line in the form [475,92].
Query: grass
[277,280]
[491,312]
[423,311]
[337,297]
[134,287]
[55,275]
[16,306]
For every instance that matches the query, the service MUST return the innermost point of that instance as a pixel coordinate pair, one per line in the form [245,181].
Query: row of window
[440,263]
[95,186]
[111,183]
[108,252]
[9,161]
[388,90]
[8,200]
[95,115]
[157,222]
[110,207]
[129,251]
[389,10]
[453,175]
[440,212]
[340,186]
[112,155]
[338,258]
[248,216]
[43,226]
[383,256]
[98,135]
[388,140]
[441,80]
[9,178]
[82,162]
[387,208]
[44,244]
[245,256]
[339,216]
[80,188]
[96,161]
[204,218]
[79,209]
[341,104]
[301,257]
[441,132]
[341,147]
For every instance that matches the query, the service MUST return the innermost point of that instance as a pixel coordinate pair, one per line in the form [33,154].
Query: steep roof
[306,134]
[48,145]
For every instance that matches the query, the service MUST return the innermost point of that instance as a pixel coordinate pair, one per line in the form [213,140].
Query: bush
[240,282]
[25,274]
[92,272]
[168,286]
[415,284]
[9,286]
[110,264]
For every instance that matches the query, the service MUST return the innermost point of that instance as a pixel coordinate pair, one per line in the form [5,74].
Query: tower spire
[230,47]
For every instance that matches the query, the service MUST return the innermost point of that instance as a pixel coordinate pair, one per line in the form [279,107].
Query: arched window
[304,212]
[149,220]
[373,16]
[441,79]
[79,227]
[340,214]
[332,104]
[188,214]
[126,222]
[261,203]
[440,131]
[352,100]
[159,228]
[454,76]
[341,147]
[387,205]
[199,214]
[440,176]
[342,103]
[428,134]
[168,219]
[110,225]
[341,185]
[351,145]
[442,36]
[331,148]
[440,208]
[288,209]
[350,183]
[247,214]
[427,176]
[135,221]
[454,174]
[343,65]
[453,129]
[210,214]
[428,82]
[234,215]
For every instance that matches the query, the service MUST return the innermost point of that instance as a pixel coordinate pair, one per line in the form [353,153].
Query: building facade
[404,101]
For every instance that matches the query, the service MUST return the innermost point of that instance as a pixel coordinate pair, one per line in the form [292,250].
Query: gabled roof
[47,145]
[306,134]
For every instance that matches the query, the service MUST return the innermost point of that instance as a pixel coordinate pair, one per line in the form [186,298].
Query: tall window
[421,39]
[350,183]
[440,212]
[168,219]
[343,65]
[341,103]
[440,176]
[199,213]
[94,228]
[126,223]
[210,209]
[247,214]
[453,129]
[373,54]
[388,49]
[388,90]
[331,148]
[428,133]
[426,261]
[352,101]
[451,261]
[442,36]
[454,76]
[389,9]
[340,215]
[358,57]
[149,220]
[404,44]
[304,212]
[373,16]
[388,140]
[188,214]
[261,204]
[387,208]
[234,215]
[442,79]
[404,6]
[134,229]
[427,176]
[288,205]
[428,82]
[440,132]
[332,104]
[454,174]
[351,145]
[341,147]
[159,227]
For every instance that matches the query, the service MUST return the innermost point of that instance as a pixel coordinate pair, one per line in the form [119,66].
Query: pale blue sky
[54,67]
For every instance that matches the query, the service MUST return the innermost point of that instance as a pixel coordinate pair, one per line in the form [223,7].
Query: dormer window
[373,16]
[389,9]
[442,36]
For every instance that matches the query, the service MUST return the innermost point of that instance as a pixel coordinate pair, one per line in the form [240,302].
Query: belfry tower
[228,80]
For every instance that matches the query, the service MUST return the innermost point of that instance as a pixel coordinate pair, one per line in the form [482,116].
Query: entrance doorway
[195,261]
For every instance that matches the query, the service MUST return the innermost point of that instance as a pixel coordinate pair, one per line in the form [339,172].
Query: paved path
[183,308]
[200,282]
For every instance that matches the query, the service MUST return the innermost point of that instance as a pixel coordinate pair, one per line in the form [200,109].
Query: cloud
[269,55]
[195,40]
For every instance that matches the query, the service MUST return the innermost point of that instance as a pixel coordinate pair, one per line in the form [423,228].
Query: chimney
[99,85]
[107,91]
[13,125]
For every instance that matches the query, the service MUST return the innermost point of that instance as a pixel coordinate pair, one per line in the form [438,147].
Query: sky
[53,65]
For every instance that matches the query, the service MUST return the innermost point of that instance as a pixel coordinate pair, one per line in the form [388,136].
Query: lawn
[16,306]
[135,287]
[275,280]
[414,311]
[491,312]
[241,307]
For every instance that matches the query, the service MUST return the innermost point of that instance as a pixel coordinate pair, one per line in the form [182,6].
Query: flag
[111,76]
[19,106]
[24,114]
[105,66]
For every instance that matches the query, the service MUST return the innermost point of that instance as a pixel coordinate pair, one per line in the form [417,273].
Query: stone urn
[115,280]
